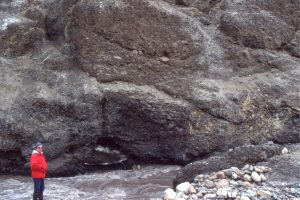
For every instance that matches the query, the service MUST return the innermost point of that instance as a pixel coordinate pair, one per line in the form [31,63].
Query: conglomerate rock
[156,81]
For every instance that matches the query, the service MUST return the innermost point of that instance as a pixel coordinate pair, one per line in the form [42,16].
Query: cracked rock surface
[142,80]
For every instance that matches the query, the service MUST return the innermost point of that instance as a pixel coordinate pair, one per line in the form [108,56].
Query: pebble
[234,176]
[117,57]
[255,176]
[169,194]
[244,198]
[232,194]
[265,194]
[258,170]
[284,151]
[262,177]
[209,184]
[222,183]
[164,59]
[222,193]
[246,177]
[246,167]
[210,196]
[246,184]
[184,187]
[234,183]
[184,196]
[192,190]
[251,168]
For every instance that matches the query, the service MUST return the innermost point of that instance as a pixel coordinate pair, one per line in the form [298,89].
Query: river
[145,183]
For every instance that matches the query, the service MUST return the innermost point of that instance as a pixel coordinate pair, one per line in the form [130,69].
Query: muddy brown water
[146,183]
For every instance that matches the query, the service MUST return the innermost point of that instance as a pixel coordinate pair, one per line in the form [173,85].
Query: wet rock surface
[158,81]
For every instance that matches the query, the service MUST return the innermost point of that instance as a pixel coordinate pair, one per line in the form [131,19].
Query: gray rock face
[157,81]
[294,45]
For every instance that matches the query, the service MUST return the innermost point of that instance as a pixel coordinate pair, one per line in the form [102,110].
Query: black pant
[38,185]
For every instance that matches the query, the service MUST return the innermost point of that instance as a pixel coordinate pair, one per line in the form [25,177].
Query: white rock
[222,183]
[251,168]
[164,59]
[265,194]
[244,198]
[263,178]
[183,187]
[234,176]
[255,177]
[246,177]
[210,196]
[169,194]
[222,193]
[284,151]
[192,190]
[179,195]
[258,169]
[246,184]
[200,176]
[193,196]
[232,194]
[185,196]
[246,167]
[233,183]
[234,169]
[118,57]
[265,169]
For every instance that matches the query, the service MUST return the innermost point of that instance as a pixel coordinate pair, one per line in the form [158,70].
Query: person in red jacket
[38,166]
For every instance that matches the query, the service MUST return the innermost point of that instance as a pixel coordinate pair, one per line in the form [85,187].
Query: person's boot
[35,196]
[41,196]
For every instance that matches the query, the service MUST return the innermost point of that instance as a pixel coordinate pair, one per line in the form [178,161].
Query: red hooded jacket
[38,165]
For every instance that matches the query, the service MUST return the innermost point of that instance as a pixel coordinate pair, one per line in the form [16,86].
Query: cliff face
[159,81]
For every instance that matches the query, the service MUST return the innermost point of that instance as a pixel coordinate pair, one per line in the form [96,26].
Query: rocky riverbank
[250,182]
[234,183]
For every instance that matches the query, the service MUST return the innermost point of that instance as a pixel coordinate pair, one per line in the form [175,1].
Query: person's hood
[36,152]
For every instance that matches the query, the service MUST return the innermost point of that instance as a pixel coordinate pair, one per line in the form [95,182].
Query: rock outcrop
[153,81]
